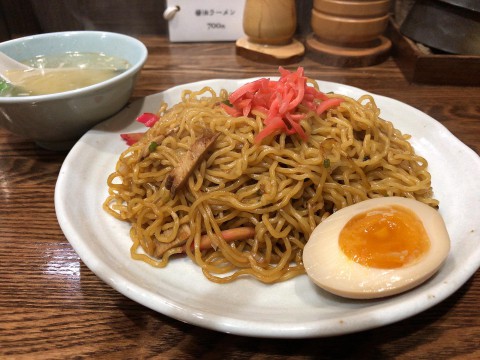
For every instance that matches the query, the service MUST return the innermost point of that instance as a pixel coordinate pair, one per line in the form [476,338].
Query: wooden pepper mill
[349,33]
[269,26]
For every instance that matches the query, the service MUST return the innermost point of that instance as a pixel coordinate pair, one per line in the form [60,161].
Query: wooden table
[53,306]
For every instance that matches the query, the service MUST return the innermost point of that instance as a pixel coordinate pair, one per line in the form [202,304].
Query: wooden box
[438,69]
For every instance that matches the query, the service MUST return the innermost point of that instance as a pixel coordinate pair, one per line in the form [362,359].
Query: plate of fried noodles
[203,215]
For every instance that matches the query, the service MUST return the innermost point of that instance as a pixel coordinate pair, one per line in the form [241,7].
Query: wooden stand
[367,54]
[271,54]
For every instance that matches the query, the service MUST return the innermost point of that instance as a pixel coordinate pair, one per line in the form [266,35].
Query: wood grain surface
[53,307]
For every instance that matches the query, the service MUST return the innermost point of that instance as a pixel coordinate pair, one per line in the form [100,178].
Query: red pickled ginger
[278,100]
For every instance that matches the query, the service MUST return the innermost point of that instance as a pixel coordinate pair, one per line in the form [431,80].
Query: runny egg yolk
[385,237]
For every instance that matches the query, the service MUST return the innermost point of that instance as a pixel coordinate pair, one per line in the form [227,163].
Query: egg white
[329,268]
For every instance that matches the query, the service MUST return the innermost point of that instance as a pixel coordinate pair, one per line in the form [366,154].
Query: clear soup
[72,70]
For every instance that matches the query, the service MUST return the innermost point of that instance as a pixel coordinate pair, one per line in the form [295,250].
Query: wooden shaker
[349,33]
[269,26]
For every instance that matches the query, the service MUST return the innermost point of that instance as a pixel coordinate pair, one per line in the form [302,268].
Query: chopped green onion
[153,145]
[227,102]
[3,86]
[326,163]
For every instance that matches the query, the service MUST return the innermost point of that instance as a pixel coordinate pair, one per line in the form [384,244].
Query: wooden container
[270,22]
[269,26]
[353,8]
[435,69]
[349,33]
[347,30]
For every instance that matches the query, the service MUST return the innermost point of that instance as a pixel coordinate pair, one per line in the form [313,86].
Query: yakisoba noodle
[282,188]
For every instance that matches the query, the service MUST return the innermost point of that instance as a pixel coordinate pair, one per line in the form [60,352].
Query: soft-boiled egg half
[376,248]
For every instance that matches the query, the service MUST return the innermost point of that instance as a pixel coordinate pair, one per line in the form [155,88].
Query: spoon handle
[8,64]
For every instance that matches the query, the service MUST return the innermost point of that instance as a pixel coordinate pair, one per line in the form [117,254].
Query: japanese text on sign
[211,12]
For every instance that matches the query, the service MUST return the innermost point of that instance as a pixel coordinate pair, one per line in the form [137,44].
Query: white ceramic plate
[293,309]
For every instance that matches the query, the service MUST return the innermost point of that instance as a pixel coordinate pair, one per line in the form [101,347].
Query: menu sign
[206,20]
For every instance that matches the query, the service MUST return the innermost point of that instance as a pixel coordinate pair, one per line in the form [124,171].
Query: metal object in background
[466,4]
[441,25]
